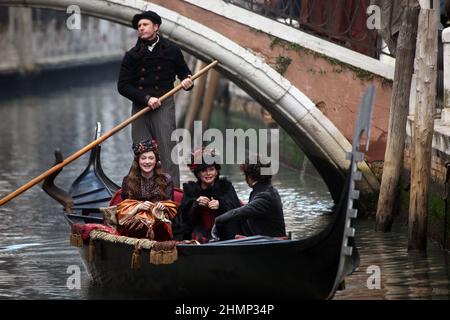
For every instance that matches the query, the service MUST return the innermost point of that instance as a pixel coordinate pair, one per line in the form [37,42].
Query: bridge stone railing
[341,22]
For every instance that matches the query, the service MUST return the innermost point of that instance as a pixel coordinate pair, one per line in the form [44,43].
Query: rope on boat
[101,235]
[160,252]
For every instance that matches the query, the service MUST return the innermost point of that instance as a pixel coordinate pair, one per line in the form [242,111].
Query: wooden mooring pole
[393,158]
[425,68]
[196,100]
[209,98]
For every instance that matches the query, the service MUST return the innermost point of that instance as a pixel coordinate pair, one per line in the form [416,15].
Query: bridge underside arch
[315,134]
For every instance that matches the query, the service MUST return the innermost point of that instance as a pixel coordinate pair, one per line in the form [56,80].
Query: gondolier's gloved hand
[187,83]
[154,103]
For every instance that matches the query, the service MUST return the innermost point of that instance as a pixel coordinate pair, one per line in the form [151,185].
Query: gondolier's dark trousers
[159,124]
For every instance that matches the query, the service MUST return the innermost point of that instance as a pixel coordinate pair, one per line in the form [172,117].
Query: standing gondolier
[148,71]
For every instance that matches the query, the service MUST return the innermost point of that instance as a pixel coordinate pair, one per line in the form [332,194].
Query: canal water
[61,112]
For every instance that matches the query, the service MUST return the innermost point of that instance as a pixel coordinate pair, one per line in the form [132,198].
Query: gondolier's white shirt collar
[152,46]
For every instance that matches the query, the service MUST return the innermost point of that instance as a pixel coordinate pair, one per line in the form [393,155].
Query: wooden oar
[99,140]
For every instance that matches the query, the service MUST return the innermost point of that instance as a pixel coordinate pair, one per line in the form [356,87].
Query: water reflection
[403,275]
[34,246]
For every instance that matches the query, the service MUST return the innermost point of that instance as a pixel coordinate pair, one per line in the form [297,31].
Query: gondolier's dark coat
[262,215]
[146,73]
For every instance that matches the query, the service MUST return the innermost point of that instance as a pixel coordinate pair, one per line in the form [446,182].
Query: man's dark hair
[253,170]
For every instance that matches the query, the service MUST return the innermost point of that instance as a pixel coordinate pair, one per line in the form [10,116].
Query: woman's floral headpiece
[144,146]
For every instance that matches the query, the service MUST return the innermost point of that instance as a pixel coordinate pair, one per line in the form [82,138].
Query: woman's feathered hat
[144,146]
[198,162]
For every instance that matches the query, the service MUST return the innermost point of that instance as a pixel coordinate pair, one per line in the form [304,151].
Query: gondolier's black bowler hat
[150,15]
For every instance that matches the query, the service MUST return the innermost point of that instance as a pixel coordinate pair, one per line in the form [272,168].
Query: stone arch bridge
[245,59]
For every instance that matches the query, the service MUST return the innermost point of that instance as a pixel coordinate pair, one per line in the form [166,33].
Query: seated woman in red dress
[147,207]
[205,199]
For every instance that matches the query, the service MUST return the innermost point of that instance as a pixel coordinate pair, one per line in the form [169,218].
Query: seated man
[262,215]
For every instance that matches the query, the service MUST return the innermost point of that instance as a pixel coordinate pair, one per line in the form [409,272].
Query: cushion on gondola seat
[85,229]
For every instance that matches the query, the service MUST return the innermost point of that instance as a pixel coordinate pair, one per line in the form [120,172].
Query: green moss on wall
[361,74]
[282,64]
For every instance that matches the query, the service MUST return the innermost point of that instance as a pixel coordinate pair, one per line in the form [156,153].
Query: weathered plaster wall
[33,39]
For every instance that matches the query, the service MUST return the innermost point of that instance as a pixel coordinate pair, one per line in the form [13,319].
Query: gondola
[257,267]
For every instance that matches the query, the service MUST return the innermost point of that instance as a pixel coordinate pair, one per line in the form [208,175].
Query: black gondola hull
[277,270]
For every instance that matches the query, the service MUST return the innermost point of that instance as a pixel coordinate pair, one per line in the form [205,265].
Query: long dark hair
[134,177]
